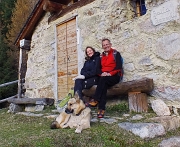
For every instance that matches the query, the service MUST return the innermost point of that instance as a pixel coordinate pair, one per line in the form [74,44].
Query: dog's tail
[55,125]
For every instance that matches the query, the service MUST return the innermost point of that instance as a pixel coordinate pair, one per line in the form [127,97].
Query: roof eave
[28,28]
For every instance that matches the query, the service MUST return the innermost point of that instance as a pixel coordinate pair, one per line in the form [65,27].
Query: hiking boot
[100,113]
[92,103]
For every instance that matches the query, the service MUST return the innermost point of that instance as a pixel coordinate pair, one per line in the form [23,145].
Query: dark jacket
[91,66]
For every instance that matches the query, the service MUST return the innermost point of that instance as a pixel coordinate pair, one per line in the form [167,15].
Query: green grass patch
[23,131]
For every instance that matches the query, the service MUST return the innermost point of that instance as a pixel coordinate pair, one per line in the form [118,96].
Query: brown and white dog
[76,115]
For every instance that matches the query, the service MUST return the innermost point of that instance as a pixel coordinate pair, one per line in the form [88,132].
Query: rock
[29,114]
[171,142]
[61,109]
[94,120]
[33,108]
[108,120]
[169,122]
[54,111]
[126,115]
[144,130]
[14,108]
[118,118]
[137,117]
[160,108]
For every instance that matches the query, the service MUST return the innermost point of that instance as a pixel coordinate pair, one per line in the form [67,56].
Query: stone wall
[40,75]
[149,44]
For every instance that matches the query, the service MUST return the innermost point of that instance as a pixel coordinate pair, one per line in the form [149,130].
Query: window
[139,7]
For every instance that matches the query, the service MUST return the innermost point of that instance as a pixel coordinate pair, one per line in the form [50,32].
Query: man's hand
[79,77]
[105,74]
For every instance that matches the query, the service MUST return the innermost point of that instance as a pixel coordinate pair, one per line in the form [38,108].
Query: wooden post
[137,102]
[19,73]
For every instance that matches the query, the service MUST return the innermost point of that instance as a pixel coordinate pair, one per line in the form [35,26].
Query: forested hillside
[8,70]
[13,15]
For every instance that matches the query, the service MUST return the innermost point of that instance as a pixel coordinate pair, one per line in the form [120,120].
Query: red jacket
[108,63]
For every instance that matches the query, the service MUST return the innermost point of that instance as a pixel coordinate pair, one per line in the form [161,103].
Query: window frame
[139,7]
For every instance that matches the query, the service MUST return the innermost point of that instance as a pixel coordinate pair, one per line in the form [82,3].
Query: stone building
[146,32]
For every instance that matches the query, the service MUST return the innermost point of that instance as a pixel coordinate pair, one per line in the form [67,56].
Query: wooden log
[137,102]
[144,85]
[50,6]
[44,101]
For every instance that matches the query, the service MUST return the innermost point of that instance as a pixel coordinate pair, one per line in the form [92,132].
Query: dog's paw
[78,131]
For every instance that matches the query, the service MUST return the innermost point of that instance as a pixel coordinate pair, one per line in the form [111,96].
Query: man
[109,75]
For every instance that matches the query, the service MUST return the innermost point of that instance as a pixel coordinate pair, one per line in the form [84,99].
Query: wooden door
[66,57]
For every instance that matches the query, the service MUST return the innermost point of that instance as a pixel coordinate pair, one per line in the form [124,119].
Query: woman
[89,72]
[110,75]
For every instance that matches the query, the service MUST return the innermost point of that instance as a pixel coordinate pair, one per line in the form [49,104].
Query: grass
[23,131]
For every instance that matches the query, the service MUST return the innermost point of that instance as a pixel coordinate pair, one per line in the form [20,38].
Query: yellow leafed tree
[22,11]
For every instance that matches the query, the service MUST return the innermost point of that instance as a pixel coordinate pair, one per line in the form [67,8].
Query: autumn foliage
[21,12]
[13,16]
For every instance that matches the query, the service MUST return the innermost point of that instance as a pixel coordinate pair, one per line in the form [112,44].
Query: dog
[76,115]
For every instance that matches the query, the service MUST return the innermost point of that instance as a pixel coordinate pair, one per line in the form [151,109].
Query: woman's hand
[79,77]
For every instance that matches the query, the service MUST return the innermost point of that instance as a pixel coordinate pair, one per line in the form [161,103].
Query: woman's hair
[90,48]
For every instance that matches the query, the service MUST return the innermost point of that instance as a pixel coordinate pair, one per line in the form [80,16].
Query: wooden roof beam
[52,7]
[64,2]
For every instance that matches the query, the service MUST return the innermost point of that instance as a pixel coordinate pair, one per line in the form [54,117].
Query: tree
[13,15]
[6,8]
[22,10]
[7,70]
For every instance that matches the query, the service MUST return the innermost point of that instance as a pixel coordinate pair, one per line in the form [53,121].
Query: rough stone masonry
[149,44]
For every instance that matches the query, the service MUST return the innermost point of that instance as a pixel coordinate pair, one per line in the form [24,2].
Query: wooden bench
[40,101]
[20,104]
[136,90]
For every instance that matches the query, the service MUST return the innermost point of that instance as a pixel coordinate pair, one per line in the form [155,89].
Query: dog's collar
[80,112]
[68,112]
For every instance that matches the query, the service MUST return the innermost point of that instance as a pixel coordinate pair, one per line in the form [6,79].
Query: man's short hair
[104,39]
